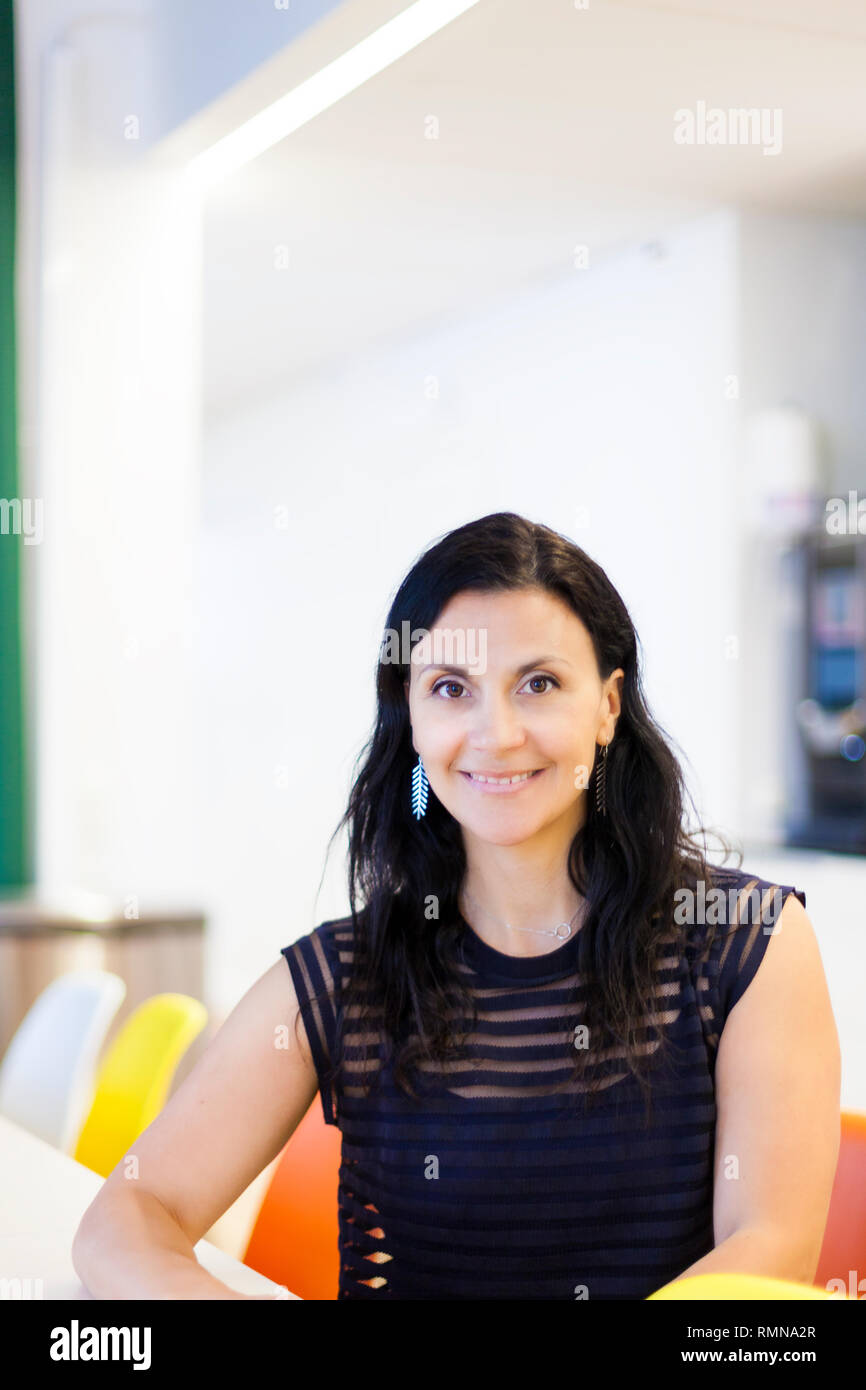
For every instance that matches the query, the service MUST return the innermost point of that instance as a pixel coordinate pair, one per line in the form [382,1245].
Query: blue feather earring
[420,787]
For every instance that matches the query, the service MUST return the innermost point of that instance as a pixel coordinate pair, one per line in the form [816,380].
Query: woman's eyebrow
[520,671]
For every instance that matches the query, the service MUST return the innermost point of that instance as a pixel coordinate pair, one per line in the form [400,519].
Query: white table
[43,1196]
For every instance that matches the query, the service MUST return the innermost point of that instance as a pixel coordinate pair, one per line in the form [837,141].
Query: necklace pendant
[562,931]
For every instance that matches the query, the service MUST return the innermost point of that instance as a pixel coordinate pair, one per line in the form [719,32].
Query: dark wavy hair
[627,865]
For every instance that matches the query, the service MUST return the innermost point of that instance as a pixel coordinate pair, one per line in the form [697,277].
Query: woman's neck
[512,907]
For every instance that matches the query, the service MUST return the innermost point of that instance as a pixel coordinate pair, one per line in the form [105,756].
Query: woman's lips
[503,788]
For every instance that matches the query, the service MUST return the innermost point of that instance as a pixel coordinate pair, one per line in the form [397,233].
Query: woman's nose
[496,725]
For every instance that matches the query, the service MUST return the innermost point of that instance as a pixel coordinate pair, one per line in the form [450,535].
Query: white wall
[804,333]
[203,47]
[109,332]
[599,392]
[801,343]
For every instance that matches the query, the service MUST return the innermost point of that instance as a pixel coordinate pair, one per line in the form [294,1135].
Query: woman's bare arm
[778,1081]
[226,1122]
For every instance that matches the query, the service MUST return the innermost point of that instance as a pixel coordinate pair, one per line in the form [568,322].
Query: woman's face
[525,697]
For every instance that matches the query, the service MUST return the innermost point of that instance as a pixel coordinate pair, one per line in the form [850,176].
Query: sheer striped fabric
[499,1183]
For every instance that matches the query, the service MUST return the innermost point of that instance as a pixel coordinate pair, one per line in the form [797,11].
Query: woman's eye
[440,684]
[542,678]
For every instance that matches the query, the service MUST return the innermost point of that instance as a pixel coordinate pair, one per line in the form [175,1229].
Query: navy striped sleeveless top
[498,1186]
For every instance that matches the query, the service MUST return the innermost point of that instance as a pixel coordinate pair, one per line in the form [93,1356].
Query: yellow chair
[134,1079]
[739,1286]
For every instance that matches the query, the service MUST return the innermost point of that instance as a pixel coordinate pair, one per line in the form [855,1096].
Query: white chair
[47,1073]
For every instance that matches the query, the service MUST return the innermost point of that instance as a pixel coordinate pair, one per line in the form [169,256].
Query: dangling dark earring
[601,782]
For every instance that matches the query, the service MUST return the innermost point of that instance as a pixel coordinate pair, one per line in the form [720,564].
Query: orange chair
[844,1247]
[295,1237]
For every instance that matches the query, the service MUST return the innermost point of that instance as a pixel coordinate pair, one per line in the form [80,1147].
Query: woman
[542,1028]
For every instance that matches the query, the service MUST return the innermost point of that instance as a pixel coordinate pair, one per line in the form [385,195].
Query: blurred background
[291,289]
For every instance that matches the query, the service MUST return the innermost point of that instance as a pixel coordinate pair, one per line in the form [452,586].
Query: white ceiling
[555,128]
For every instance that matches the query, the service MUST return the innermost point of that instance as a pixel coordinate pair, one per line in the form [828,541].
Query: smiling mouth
[505,780]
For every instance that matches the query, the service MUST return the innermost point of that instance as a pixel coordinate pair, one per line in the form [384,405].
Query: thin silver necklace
[562,929]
